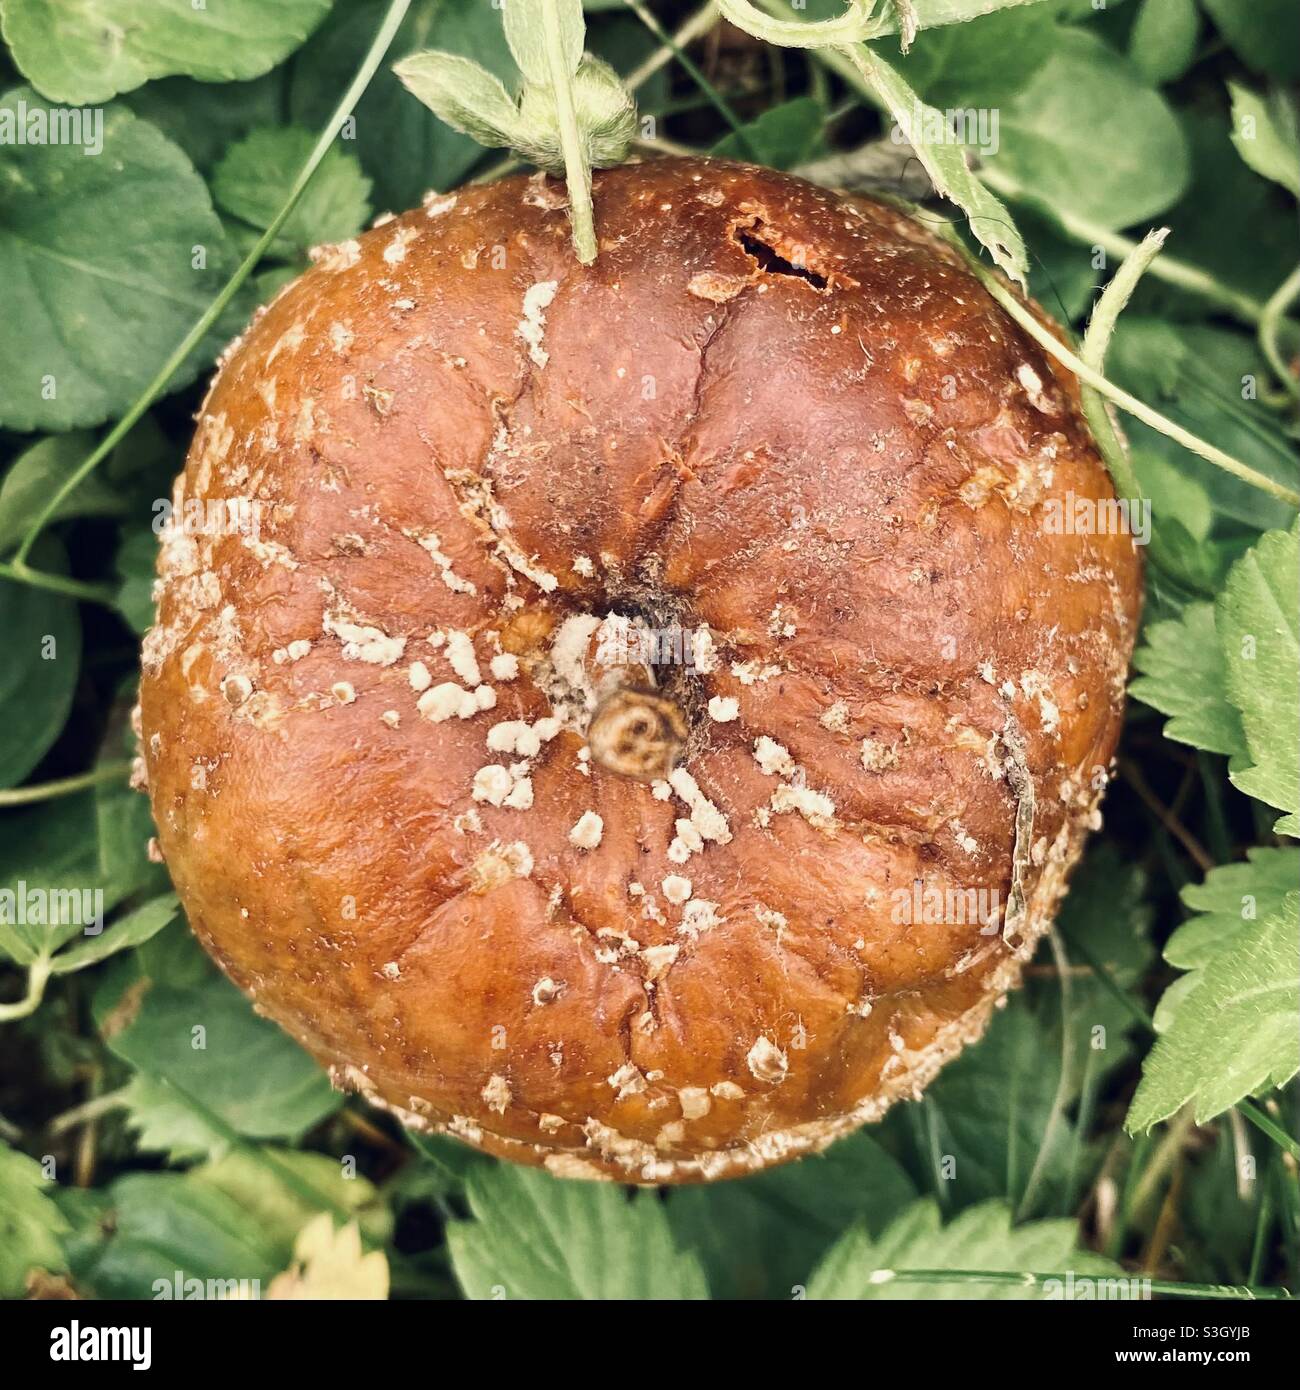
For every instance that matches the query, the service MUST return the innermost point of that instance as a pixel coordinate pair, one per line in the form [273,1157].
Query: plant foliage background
[1133,1108]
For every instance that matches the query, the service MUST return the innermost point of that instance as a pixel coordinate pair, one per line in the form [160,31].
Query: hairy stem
[577,167]
[1096,340]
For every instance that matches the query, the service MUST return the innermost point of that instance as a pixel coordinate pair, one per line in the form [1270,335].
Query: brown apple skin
[789,417]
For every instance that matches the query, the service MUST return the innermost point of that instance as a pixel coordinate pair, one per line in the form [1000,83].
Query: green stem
[1261,1230]
[1079,1131]
[378,47]
[1163,1159]
[694,28]
[577,168]
[1262,1122]
[38,974]
[89,1110]
[1028,1280]
[716,99]
[1269,325]
[850,27]
[1119,1233]
[1096,340]
[1161,423]
[22,573]
[64,786]
[1063,1084]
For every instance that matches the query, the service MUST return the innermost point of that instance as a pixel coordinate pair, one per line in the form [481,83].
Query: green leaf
[30,1224]
[225,1221]
[1174,494]
[1265,34]
[49,846]
[94,841]
[283,1206]
[989,221]
[123,819]
[1232,897]
[1107,914]
[758,1237]
[135,562]
[253,179]
[1062,276]
[997,1120]
[1235,1027]
[464,95]
[37,473]
[1184,676]
[97,283]
[1226,206]
[1199,376]
[162,1122]
[982,63]
[1182,548]
[1258,622]
[987,1115]
[1162,42]
[39,675]
[403,147]
[1087,136]
[446,1161]
[932,13]
[981,1238]
[538,1237]
[1266,135]
[167,1011]
[526,25]
[781,137]
[165,1222]
[205,118]
[132,930]
[86,51]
